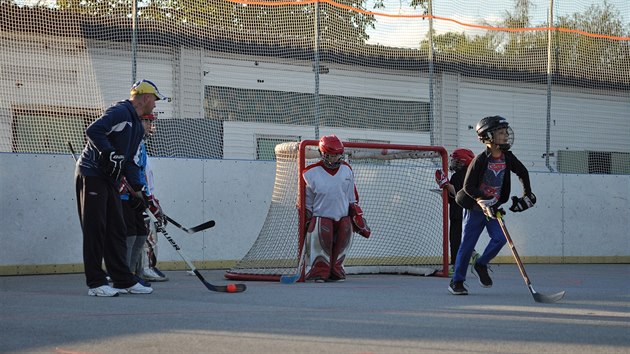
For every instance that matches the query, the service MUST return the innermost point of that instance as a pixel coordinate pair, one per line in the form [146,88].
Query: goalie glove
[359,224]
[487,206]
[523,203]
[441,178]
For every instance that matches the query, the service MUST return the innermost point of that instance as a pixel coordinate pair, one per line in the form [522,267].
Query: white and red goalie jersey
[332,194]
[329,191]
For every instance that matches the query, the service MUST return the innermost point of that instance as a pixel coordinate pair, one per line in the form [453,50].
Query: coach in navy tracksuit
[112,140]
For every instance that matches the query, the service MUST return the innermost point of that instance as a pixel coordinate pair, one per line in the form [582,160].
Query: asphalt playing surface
[365,314]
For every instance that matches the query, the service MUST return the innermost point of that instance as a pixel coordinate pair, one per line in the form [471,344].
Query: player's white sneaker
[151,275]
[136,289]
[103,291]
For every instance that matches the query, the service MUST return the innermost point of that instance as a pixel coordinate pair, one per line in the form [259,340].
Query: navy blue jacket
[467,196]
[118,129]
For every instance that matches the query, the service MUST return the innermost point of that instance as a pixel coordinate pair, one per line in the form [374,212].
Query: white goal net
[397,190]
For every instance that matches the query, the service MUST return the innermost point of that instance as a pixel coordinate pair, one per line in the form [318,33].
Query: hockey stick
[192,230]
[74,156]
[230,288]
[292,278]
[538,297]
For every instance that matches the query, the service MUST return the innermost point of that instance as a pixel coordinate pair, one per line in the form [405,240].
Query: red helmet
[330,144]
[461,158]
[331,149]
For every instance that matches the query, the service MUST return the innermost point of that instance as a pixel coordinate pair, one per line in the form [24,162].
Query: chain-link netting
[246,74]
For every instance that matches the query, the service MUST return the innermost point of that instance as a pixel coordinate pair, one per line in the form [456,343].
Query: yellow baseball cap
[146,86]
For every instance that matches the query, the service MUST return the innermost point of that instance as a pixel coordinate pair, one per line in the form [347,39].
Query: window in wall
[280,107]
[48,129]
[593,162]
[266,145]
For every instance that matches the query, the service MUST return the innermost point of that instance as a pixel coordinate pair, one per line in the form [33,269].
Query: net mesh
[399,199]
[244,74]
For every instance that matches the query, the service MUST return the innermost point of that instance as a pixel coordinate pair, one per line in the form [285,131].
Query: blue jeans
[474,223]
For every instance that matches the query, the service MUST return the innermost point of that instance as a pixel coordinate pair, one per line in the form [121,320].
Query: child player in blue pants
[486,187]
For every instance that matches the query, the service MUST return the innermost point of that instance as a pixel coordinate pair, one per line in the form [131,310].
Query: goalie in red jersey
[460,160]
[332,212]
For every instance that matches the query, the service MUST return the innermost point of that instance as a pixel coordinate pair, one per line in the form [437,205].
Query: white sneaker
[103,290]
[149,274]
[140,289]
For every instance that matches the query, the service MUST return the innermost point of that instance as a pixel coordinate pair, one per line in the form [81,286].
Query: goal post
[407,213]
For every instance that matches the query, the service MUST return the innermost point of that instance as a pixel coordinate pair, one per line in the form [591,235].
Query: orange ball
[231,288]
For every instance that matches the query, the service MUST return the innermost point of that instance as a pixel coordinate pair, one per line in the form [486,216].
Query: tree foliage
[573,54]
[595,55]
[293,20]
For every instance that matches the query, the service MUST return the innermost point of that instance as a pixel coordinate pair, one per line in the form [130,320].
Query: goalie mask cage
[400,200]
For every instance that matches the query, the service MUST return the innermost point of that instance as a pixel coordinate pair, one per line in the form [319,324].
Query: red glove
[154,205]
[359,224]
[441,178]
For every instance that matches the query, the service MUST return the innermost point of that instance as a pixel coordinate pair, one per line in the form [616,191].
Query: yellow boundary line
[35,269]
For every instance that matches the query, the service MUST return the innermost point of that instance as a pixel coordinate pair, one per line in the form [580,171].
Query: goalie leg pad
[320,242]
[341,245]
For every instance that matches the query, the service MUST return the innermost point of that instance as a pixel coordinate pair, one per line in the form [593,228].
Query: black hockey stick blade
[547,299]
[230,288]
[206,225]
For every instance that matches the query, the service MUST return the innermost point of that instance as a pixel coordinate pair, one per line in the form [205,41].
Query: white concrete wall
[576,215]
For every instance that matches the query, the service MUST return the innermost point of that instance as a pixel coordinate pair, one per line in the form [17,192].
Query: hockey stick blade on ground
[230,288]
[538,297]
[292,278]
[206,225]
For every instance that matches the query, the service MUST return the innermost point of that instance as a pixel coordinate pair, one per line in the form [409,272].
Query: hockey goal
[400,201]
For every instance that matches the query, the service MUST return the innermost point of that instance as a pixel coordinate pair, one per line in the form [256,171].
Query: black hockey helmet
[488,125]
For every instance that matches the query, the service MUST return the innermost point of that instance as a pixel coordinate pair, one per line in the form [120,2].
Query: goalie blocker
[359,224]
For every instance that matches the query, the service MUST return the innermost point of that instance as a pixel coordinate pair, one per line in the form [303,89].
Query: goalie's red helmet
[330,144]
[463,156]
[331,149]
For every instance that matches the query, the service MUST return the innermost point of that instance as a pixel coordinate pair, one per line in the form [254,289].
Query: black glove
[139,200]
[111,163]
[523,203]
